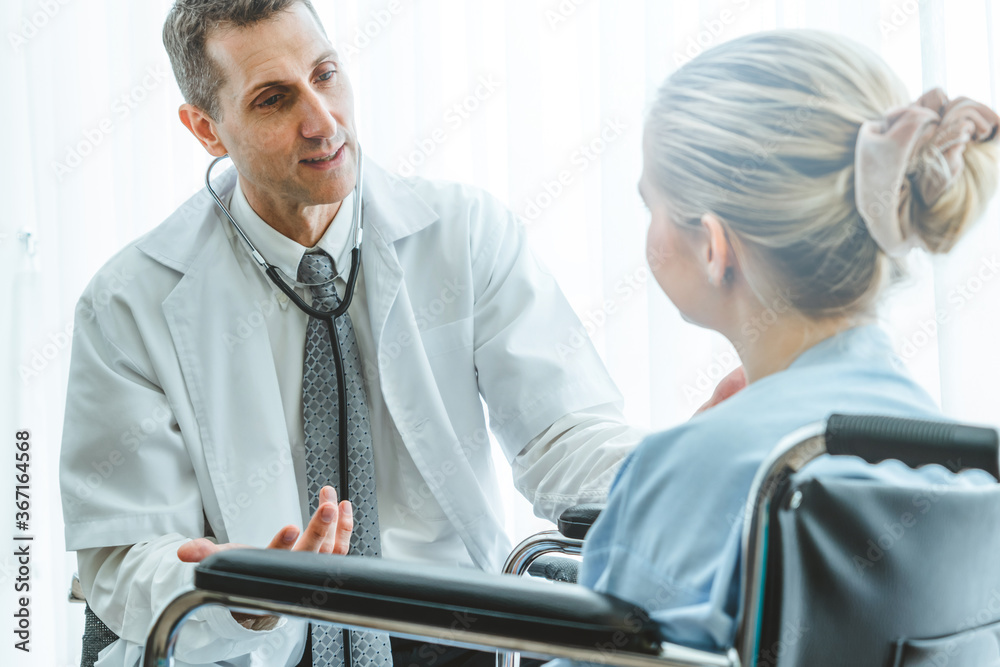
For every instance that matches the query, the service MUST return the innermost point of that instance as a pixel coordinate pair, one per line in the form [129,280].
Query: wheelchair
[833,572]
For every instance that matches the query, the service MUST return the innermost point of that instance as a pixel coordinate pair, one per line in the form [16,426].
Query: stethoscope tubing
[328,316]
[357,221]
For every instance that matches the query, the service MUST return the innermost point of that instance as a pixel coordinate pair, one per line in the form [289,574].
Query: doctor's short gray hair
[185,35]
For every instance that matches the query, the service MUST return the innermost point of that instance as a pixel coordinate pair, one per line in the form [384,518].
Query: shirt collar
[868,340]
[285,253]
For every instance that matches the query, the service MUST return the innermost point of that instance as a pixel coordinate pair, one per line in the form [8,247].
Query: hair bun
[946,190]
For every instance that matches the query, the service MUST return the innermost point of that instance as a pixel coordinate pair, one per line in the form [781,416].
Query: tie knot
[317,270]
[316,267]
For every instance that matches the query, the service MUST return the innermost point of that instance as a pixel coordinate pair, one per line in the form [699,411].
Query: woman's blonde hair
[761,132]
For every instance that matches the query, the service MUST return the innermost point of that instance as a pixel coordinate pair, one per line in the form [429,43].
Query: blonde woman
[782,168]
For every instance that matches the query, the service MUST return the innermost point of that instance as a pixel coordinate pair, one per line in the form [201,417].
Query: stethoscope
[328,316]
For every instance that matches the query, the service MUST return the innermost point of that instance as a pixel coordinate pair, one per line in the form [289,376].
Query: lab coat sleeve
[125,472]
[126,478]
[109,577]
[575,460]
[552,405]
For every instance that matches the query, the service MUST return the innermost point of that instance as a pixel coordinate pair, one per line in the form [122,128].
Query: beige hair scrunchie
[922,146]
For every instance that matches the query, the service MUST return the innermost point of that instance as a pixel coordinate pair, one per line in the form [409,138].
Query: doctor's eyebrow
[329,53]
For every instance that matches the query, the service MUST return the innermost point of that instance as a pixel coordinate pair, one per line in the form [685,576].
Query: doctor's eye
[271,101]
[327,75]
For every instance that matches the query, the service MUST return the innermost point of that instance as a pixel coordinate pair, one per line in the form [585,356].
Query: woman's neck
[770,344]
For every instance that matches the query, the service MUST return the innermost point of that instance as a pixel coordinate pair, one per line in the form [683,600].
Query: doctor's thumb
[196,550]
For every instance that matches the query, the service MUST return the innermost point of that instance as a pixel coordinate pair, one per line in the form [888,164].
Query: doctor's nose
[317,121]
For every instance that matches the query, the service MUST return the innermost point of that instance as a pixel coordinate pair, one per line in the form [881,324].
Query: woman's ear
[719,258]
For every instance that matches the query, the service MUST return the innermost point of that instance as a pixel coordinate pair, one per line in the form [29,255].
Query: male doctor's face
[286,103]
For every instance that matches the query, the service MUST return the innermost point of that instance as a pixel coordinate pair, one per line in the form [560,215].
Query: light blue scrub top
[669,540]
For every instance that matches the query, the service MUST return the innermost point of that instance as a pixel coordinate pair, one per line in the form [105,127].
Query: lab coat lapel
[392,211]
[232,384]
[408,384]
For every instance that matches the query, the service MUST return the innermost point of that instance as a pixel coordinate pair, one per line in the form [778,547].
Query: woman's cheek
[659,252]
[665,250]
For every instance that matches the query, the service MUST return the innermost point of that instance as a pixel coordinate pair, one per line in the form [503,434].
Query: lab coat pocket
[447,337]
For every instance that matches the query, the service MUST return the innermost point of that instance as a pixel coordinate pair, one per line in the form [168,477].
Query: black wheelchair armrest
[575,522]
[456,606]
[914,442]
[485,604]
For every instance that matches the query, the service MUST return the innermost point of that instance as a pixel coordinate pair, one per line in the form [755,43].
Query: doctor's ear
[203,128]
[717,254]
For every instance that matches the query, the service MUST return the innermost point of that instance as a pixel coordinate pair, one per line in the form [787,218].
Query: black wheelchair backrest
[867,575]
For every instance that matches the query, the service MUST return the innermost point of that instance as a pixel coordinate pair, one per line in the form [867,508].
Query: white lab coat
[174,424]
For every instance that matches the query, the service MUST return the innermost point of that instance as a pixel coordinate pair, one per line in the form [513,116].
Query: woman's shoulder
[853,373]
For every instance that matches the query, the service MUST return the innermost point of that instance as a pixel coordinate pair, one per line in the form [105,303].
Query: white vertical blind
[512,97]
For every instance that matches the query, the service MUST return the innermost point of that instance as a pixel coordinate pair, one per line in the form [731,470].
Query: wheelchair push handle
[914,442]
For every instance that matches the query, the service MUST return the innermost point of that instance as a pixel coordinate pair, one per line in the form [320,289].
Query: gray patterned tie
[321,426]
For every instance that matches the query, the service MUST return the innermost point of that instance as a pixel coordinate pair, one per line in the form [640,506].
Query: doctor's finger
[324,521]
[197,550]
[329,495]
[285,538]
[344,529]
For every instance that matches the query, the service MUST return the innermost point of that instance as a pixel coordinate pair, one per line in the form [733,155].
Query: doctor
[184,426]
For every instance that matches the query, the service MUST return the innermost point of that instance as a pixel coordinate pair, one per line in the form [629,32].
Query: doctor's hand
[329,531]
[729,385]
